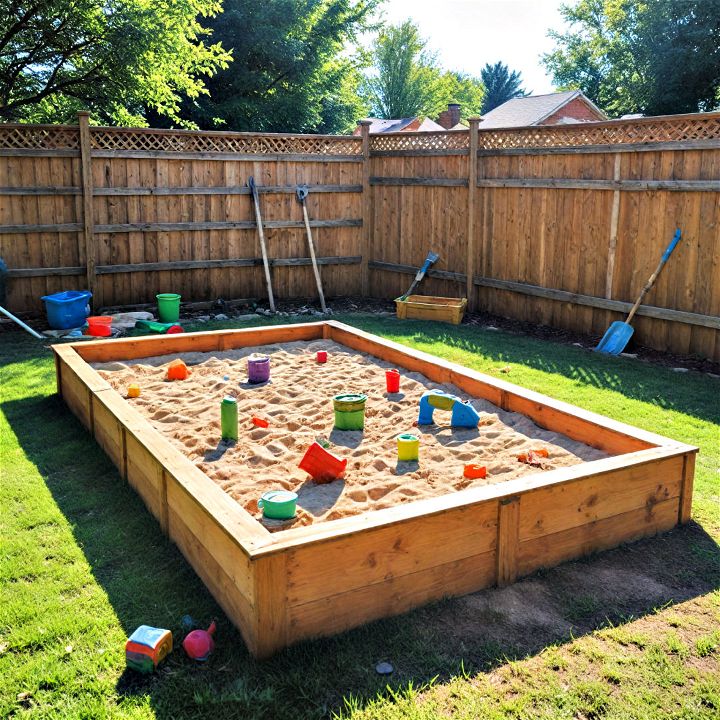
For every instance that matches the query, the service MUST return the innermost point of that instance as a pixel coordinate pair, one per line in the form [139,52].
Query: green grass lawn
[630,633]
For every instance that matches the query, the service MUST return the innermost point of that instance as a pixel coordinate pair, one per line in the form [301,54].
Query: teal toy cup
[168,307]
[349,411]
[278,504]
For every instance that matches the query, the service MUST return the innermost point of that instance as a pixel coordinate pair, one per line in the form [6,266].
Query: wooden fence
[566,223]
[129,213]
[560,225]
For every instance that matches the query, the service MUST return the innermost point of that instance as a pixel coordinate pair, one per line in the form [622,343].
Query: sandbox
[389,536]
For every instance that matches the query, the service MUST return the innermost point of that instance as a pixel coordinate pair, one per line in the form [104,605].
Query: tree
[650,56]
[501,85]
[406,79]
[290,72]
[116,58]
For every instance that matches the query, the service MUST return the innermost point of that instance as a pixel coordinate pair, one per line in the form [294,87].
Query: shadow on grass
[147,581]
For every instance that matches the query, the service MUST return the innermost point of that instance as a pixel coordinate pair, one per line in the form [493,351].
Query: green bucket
[168,307]
[349,411]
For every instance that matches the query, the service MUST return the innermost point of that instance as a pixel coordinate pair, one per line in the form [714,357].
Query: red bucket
[99,325]
[392,380]
[322,465]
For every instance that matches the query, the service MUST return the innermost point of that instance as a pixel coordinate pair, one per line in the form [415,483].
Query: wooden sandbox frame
[325,578]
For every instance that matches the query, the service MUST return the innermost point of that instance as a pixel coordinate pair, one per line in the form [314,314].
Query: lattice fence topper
[189,142]
[39,137]
[394,142]
[650,130]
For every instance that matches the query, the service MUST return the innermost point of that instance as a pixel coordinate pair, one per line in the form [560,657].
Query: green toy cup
[168,307]
[278,504]
[349,411]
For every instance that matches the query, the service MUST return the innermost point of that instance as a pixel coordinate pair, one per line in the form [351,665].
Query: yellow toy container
[408,447]
[427,307]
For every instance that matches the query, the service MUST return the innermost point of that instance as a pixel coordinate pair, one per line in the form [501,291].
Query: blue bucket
[67,309]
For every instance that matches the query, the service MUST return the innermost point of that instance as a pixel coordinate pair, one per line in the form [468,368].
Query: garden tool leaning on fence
[302,192]
[261,235]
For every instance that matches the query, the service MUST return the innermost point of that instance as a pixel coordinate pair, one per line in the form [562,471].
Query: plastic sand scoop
[431,259]
[619,333]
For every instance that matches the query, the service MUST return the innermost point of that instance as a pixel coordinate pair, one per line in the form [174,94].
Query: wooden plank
[549,510]
[615,184]
[614,217]
[219,190]
[367,208]
[229,263]
[236,225]
[49,190]
[45,272]
[391,597]
[272,612]
[426,182]
[351,562]
[417,153]
[549,550]
[38,152]
[227,550]
[138,347]
[145,476]
[108,431]
[686,490]
[470,261]
[619,147]
[49,227]
[228,156]
[508,524]
[88,232]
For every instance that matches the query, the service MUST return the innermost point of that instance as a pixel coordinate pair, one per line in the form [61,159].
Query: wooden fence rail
[558,224]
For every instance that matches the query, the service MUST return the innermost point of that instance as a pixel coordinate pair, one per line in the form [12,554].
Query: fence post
[472,193]
[364,126]
[614,218]
[87,198]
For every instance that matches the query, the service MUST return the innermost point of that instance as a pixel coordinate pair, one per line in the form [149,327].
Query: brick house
[553,109]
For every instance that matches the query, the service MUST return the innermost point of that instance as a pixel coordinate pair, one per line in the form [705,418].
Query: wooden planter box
[321,579]
[427,307]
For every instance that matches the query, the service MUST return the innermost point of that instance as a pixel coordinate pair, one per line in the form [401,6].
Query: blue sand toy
[464,415]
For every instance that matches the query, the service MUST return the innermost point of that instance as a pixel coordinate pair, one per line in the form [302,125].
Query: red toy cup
[321,356]
[321,465]
[392,380]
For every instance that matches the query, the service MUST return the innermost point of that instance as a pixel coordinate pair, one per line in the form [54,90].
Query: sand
[297,403]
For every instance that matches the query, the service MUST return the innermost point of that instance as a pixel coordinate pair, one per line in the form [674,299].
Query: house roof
[428,125]
[531,110]
[378,125]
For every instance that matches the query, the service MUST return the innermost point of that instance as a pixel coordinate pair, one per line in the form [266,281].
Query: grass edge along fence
[560,225]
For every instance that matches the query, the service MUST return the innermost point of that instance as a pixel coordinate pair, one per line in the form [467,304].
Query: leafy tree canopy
[290,70]
[650,56]
[408,82]
[116,58]
[501,85]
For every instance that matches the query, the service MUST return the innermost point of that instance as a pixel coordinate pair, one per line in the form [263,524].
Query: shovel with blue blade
[430,260]
[619,333]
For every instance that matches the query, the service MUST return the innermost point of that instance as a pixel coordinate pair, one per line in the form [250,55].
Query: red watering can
[199,643]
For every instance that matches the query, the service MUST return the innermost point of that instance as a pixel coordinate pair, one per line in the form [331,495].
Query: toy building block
[147,647]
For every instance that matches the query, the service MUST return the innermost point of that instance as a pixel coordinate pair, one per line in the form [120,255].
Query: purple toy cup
[258,368]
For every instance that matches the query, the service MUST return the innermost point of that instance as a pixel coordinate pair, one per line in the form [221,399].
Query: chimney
[451,117]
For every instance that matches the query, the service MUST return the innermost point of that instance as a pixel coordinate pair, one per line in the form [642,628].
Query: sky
[466,34]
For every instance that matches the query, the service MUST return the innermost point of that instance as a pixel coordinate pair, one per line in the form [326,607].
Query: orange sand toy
[532,457]
[475,472]
[259,422]
[177,370]
[133,391]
